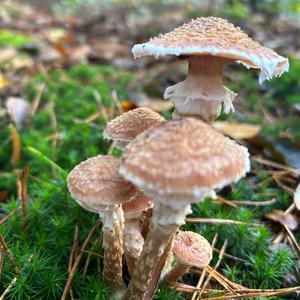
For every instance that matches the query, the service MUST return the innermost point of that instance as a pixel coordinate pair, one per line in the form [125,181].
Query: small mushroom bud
[96,185]
[190,249]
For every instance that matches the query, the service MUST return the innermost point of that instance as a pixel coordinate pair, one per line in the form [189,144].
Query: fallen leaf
[18,110]
[7,54]
[3,195]
[3,82]
[297,197]
[237,130]
[283,218]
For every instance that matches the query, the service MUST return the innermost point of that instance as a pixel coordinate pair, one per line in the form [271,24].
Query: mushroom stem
[202,93]
[133,243]
[177,271]
[113,226]
[164,224]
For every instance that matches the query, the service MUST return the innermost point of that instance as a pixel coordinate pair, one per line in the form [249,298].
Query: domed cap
[95,183]
[215,36]
[183,158]
[128,125]
[192,249]
[138,204]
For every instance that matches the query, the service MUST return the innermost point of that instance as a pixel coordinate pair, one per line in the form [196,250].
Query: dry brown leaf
[283,218]
[18,110]
[16,146]
[3,82]
[7,54]
[237,130]
[3,195]
[297,197]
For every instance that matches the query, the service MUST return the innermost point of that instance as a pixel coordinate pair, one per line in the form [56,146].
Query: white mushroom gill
[202,93]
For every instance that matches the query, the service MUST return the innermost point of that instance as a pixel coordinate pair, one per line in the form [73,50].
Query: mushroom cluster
[144,197]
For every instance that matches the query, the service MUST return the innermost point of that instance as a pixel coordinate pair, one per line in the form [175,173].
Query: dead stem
[9,215]
[7,251]
[275,165]
[22,193]
[214,269]
[220,221]
[202,276]
[6,291]
[78,259]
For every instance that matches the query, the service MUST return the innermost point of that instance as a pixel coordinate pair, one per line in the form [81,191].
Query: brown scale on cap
[181,157]
[208,44]
[127,126]
[95,182]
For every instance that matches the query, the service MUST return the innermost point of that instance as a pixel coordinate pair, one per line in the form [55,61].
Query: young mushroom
[190,249]
[133,238]
[176,163]
[124,128]
[96,185]
[208,44]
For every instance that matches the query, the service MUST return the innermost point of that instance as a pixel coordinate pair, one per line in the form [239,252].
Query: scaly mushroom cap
[183,158]
[95,183]
[192,249]
[128,125]
[218,37]
[136,206]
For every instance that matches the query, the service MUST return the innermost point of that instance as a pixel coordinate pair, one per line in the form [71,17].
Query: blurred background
[66,69]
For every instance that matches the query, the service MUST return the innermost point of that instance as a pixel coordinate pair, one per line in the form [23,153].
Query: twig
[202,276]
[255,203]
[22,193]
[257,294]
[230,256]
[6,291]
[1,261]
[228,202]
[215,268]
[78,259]
[275,165]
[74,246]
[7,251]
[292,237]
[220,221]
[9,215]
[87,262]
[73,255]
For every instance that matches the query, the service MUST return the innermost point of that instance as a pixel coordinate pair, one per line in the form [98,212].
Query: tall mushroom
[133,238]
[124,128]
[190,249]
[96,185]
[208,44]
[176,163]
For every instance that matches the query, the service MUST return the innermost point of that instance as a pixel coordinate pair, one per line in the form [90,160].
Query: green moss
[14,39]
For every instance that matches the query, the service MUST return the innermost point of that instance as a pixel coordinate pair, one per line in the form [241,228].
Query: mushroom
[190,249]
[133,238]
[96,185]
[208,44]
[176,163]
[124,128]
